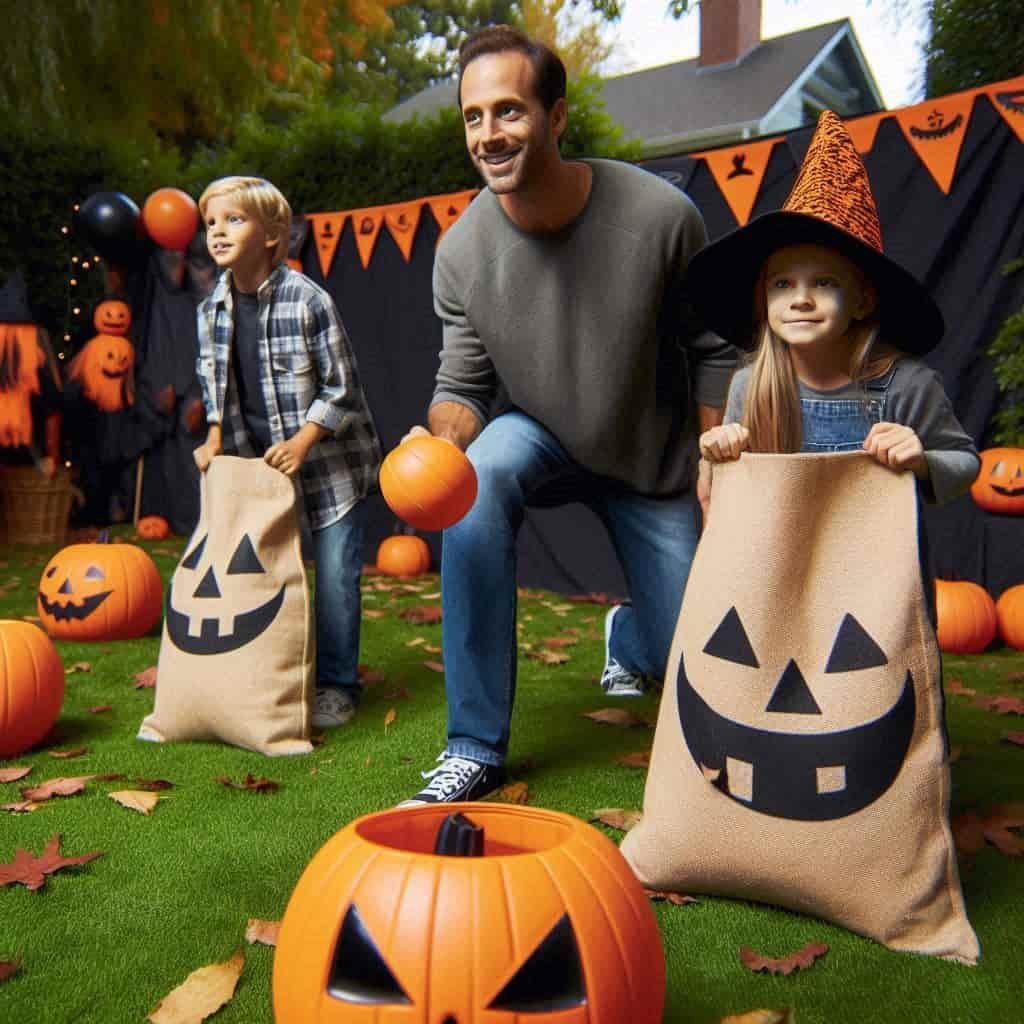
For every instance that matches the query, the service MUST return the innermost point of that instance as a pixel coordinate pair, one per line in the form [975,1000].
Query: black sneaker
[457,778]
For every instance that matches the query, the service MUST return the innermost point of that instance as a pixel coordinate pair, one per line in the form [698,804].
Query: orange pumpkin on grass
[999,485]
[31,686]
[966,617]
[1010,616]
[99,592]
[153,528]
[403,555]
[468,914]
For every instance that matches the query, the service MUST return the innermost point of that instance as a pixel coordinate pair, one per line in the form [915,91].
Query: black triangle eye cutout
[550,980]
[191,560]
[244,559]
[731,643]
[854,649]
[358,971]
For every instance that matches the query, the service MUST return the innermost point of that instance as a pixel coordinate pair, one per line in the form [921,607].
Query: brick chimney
[729,29]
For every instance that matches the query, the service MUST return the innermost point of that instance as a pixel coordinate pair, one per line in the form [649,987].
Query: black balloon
[111,224]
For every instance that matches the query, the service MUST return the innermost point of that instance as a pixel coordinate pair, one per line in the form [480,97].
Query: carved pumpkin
[112,316]
[1010,616]
[31,686]
[428,483]
[105,368]
[999,485]
[539,921]
[966,617]
[153,528]
[402,555]
[99,592]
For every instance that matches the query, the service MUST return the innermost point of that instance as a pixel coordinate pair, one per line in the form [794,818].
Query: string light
[74,281]
[85,264]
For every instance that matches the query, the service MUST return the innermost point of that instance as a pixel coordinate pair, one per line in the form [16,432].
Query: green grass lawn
[173,891]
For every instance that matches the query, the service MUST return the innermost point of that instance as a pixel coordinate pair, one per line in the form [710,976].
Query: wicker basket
[34,510]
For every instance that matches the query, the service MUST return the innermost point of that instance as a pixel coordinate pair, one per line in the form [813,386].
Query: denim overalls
[841,424]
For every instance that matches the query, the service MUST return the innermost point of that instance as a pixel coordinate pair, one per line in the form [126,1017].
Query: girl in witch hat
[834,327]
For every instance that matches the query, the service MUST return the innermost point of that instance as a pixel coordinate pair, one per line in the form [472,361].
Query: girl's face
[813,294]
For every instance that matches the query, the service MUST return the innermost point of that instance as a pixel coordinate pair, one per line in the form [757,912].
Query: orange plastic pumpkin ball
[403,556]
[999,485]
[966,617]
[112,316]
[31,686]
[171,218]
[153,528]
[1010,617]
[428,483]
[100,592]
[468,913]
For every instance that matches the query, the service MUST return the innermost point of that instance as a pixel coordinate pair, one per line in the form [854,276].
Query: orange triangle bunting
[402,220]
[327,228]
[1008,98]
[448,209]
[863,130]
[366,225]
[738,171]
[935,130]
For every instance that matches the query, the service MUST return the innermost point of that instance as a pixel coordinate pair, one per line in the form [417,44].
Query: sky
[890,35]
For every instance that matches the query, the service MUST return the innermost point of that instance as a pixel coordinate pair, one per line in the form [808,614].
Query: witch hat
[830,204]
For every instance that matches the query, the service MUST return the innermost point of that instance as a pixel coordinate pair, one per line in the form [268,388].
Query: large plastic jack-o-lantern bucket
[467,914]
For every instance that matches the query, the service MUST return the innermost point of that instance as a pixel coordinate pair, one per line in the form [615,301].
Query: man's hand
[897,447]
[287,456]
[724,443]
[416,431]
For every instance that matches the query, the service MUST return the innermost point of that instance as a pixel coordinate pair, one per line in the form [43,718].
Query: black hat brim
[721,279]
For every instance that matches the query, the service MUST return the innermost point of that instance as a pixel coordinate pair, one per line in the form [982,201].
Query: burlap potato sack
[800,753]
[236,657]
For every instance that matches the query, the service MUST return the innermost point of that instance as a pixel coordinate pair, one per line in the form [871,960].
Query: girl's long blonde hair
[771,408]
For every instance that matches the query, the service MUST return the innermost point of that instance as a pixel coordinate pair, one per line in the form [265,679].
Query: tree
[973,42]
[576,36]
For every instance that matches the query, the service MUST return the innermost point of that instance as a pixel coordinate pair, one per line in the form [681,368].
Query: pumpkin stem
[459,837]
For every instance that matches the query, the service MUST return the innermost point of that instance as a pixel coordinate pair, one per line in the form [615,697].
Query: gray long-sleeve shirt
[916,399]
[585,328]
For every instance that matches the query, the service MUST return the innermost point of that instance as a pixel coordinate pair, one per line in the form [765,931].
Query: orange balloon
[171,218]
[428,483]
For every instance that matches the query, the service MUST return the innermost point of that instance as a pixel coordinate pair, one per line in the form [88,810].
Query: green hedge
[330,157]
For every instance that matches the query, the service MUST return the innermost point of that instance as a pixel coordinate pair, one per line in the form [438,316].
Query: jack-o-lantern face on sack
[492,913]
[215,606]
[809,739]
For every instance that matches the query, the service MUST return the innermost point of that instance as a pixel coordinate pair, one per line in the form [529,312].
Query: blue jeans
[338,551]
[654,538]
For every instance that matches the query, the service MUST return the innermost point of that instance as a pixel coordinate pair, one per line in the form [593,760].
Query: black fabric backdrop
[956,244]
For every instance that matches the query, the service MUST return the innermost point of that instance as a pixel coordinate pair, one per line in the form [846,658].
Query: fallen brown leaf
[8,968]
[434,666]
[422,614]
[615,716]
[70,786]
[201,994]
[639,759]
[548,657]
[760,1017]
[599,597]
[78,666]
[432,648]
[369,676]
[513,793]
[259,930]
[678,899]
[252,784]
[1015,677]
[19,771]
[1016,738]
[146,679]
[1002,705]
[398,693]
[389,719]
[69,753]
[968,833]
[998,822]
[616,817]
[799,959]
[153,785]
[20,807]
[955,685]
[31,872]
[135,799]
[415,641]
[100,708]
[560,641]
[374,613]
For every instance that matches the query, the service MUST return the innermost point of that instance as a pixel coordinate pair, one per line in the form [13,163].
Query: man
[560,292]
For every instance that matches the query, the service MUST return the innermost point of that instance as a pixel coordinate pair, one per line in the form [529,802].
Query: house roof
[655,103]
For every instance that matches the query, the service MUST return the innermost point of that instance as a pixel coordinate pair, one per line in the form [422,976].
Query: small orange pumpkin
[1010,616]
[467,914]
[112,316]
[31,686]
[403,555]
[966,616]
[428,483]
[153,528]
[99,592]
[999,485]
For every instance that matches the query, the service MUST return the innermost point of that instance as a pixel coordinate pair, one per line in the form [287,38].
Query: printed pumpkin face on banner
[801,719]
[236,656]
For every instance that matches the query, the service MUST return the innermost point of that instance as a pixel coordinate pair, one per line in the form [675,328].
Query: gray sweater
[915,399]
[585,329]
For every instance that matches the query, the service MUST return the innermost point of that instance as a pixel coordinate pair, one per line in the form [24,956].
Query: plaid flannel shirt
[308,374]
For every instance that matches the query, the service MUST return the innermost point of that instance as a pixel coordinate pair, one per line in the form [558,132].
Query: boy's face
[237,240]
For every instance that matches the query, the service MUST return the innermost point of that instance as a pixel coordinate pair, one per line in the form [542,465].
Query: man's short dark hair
[548,69]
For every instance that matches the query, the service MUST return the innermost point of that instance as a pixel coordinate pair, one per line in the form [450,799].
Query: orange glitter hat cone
[830,204]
